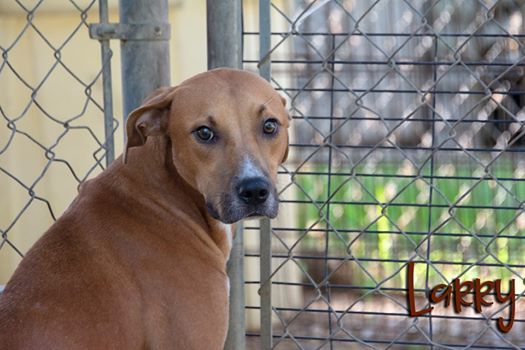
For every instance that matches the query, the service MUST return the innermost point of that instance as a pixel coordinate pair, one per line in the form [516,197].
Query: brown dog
[138,260]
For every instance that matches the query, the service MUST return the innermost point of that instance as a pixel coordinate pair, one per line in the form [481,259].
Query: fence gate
[407,146]
[57,99]
[53,103]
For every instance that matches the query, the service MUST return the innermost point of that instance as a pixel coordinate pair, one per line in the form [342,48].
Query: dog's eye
[205,134]
[270,126]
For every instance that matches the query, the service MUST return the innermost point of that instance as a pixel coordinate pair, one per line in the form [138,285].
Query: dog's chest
[192,314]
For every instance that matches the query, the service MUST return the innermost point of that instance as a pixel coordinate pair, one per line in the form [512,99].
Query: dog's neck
[152,167]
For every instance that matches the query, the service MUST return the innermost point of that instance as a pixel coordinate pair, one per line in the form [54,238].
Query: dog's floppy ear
[150,119]
[285,157]
[283,101]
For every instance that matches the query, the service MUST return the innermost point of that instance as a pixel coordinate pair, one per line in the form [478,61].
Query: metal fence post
[145,55]
[224,27]
[265,291]
[107,87]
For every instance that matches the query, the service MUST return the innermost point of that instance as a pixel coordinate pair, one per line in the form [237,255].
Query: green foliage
[380,214]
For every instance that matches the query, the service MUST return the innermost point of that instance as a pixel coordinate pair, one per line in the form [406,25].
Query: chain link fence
[53,133]
[407,146]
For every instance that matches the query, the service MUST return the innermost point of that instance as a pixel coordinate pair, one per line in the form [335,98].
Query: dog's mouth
[229,210]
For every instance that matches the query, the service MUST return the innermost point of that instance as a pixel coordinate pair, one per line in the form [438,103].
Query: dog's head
[228,132]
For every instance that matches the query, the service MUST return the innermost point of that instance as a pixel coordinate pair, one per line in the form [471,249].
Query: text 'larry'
[457,294]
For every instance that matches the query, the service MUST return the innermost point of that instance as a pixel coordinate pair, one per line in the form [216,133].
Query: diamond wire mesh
[52,137]
[406,146]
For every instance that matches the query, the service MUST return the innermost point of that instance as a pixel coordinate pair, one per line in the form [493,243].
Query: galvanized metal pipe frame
[143,32]
[145,66]
[235,339]
[107,87]
[224,29]
[265,290]
[145,61]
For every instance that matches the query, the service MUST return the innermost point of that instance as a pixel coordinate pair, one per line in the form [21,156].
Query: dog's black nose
[254,190]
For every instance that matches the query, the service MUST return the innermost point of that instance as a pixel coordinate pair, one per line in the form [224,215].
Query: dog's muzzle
[250,197]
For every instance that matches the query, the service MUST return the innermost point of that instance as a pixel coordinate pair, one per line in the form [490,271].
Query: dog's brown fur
[137,261]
